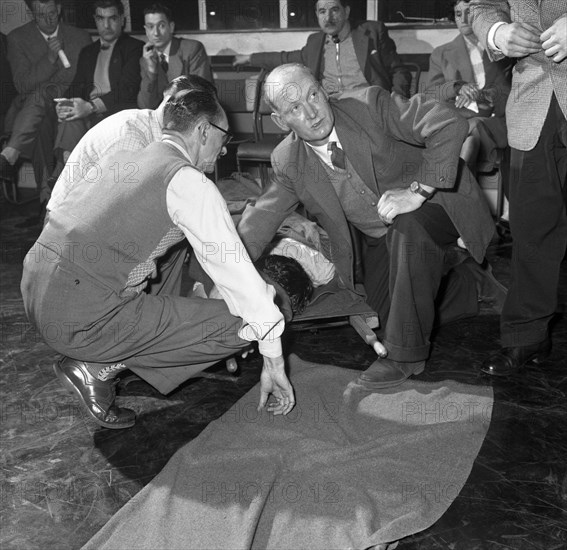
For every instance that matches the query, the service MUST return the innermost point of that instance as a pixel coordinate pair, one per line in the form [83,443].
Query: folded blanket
[348,468]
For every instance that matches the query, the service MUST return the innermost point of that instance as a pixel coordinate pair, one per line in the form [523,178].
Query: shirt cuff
[99,104]
[270,348]
[490,38]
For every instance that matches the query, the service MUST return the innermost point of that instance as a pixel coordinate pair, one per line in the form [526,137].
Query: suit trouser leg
[411,258]
[80,317]
[169,283]
[33,135]
[538,222]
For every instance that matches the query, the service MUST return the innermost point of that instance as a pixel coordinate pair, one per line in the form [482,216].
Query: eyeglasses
[227,135]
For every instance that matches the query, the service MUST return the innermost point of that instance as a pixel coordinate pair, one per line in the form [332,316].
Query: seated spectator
[107,81]
[43,56]
[343,56]
[462,75]
[166,57]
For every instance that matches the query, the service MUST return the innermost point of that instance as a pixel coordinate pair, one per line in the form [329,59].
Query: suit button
[362,192]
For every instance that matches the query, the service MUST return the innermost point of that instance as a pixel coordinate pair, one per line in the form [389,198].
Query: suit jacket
[375,51]
[185,57]
[123,73]
[390,142]
[536,77]
[27,54]
[450,67]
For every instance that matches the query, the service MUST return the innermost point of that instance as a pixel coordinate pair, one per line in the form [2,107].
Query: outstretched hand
[274,381]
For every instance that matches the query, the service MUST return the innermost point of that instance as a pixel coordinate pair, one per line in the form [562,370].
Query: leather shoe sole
[386,373]
[96,397]
[507,361]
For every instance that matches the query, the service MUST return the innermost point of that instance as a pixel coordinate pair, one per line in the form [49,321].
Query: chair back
[260,108]
[415,70]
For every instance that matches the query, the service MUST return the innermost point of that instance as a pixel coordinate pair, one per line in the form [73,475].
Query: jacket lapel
[175,59]
[360,42]
[458,56]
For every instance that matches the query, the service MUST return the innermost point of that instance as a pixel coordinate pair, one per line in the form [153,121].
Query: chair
[260,149]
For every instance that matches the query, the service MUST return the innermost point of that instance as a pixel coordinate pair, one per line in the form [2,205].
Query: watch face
[414,187]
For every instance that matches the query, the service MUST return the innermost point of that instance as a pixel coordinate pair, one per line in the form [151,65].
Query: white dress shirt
[196,206]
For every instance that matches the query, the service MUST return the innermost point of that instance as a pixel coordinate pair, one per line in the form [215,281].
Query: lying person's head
[288,274]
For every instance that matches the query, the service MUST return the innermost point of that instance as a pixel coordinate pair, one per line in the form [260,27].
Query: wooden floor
[64,477]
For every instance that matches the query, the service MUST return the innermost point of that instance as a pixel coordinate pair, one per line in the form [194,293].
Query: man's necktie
[337,155]
[163,62]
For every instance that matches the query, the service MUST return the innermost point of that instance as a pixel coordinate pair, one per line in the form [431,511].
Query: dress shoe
[386,373]
[96,396]
[490,291]
[508,360]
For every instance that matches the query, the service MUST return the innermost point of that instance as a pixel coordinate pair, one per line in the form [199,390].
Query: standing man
[107,81]
[534,32]
[90,266]
[166,57]
[391,168]
[43,56]
[343,56]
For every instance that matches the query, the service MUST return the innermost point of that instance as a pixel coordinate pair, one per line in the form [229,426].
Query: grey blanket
[346,469]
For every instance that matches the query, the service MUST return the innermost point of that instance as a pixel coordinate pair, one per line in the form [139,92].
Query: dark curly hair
[289,274]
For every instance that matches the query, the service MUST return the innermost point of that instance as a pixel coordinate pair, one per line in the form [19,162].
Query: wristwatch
[415,187]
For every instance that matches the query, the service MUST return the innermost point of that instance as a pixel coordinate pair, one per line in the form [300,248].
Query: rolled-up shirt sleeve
[196,206]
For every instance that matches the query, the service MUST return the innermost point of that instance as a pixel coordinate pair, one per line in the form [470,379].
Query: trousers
[538,222]
[82,318]
[414,282]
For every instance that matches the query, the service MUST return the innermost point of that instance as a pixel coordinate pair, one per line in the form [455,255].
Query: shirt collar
[48,36]
[165,51]
[109,45]
[182,150]
[322,151]
[332,137]
[473,43]
[343,35]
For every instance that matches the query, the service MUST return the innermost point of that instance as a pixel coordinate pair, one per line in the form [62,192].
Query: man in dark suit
[166,57]
[391,168]
[462,75]
[534,32]
[43,56]
[107,80]
[343,56]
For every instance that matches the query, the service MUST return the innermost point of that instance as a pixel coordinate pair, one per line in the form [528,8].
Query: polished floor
[63,477]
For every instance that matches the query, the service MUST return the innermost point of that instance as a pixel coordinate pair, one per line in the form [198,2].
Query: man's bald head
[283,83]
